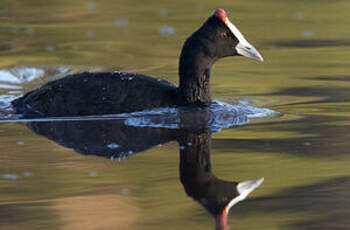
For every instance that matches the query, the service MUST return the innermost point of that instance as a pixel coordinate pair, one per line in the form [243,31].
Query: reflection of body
[114,139]
[108,138]
[215,195]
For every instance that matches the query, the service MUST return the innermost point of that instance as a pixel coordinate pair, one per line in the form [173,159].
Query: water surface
[48,179]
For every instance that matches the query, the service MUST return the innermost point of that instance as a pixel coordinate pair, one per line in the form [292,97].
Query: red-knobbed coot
[119,92]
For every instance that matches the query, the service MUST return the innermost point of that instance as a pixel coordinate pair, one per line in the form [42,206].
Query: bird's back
[96,94]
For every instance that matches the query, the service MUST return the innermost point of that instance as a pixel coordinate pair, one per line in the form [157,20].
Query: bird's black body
[112,93]
[96,94]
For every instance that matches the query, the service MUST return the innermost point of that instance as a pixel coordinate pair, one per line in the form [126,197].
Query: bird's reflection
[215,195]
[119,138]
[107,138]
[114,139]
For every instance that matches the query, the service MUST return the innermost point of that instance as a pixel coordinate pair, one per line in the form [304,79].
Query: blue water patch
[218,116]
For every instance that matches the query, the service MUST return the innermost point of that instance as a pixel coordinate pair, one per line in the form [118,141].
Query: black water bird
[120,92]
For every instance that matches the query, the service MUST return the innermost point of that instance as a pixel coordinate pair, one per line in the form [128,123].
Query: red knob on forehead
[220,14]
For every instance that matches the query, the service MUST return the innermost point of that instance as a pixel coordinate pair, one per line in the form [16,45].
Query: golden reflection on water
[105,211]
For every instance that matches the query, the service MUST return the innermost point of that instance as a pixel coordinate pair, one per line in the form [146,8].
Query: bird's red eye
[223,34]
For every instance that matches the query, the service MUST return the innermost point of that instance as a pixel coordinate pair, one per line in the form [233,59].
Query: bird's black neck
[194,71]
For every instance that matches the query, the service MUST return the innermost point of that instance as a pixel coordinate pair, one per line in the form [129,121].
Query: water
[110,173]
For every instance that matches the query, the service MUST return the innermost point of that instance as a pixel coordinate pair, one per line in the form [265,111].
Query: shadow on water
[29,212]
[318,138]
[323,132]
[344,78]
[116,140]
[327,202]
[311,43]
[328,94]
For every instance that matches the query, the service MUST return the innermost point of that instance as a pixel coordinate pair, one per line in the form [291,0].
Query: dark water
[106,173]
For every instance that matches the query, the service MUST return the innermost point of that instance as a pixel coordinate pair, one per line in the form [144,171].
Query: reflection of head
[215,195]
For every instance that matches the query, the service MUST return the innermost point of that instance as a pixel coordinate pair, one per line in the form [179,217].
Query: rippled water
[162,169]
